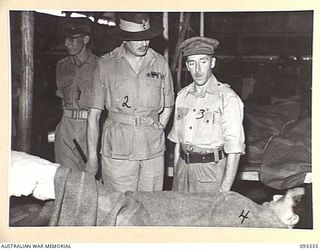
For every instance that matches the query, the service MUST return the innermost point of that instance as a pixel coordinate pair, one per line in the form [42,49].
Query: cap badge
[144,24]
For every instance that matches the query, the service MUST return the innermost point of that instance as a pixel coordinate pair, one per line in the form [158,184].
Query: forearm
[93,131]
[92,140]
[230,172]
[165,116]
[176,153]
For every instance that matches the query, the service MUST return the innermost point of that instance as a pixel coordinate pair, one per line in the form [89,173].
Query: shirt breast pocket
[120,93]
[181,122]
[216,117]
[181,113]
[151,92]
[84,91]
[205,128]
[68,90]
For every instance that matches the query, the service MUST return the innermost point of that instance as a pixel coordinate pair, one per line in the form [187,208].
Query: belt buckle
[187,157]
[74,114]
[137,121]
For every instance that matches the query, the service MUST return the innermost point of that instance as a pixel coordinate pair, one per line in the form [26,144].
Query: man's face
[137,48]
[200,68]
[282,206]
[75,43]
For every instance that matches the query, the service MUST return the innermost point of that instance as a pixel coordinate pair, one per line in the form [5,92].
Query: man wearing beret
[207,129]
[74,76]
[134,83]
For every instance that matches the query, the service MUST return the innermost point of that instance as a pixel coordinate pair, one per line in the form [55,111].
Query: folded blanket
[262,123]
[287,158]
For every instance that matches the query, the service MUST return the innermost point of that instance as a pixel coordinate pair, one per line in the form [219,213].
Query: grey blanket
[287,158]
[279,142]
[82,201]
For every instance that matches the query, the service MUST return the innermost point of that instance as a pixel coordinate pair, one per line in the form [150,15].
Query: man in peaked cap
[74,76]
[207,129]
[134,84]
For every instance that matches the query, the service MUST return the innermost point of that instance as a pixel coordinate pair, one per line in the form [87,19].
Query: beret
[72,26]
[199,45]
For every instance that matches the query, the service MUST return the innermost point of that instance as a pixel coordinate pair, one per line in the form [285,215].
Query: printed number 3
[201,113]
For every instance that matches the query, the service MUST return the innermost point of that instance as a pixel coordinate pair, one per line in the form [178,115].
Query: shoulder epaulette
[159,56]
[183,89]
[107,55]
[227,85]
[156,53]
[63,60]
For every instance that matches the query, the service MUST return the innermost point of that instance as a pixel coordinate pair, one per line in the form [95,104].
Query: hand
[92,165]
[158,125]
[223,188]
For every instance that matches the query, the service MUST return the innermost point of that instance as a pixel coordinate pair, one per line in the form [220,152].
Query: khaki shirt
[123,91]
[210,121]
[74,82]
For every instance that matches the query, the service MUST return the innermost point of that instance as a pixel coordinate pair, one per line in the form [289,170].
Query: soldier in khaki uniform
[207,128]
[134,83]
[74,76]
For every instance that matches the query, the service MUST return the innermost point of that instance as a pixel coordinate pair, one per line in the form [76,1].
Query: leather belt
[133,120]
[76,114]
[192,157]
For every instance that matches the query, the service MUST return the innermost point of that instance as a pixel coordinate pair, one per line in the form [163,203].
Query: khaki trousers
[198,177]
[127,175]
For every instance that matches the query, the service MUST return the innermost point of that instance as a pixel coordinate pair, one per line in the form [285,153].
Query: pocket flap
[182,112]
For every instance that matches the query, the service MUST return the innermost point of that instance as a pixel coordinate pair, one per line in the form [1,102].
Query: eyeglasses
[72,38]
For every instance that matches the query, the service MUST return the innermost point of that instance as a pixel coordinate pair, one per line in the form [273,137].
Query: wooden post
[26,94]
[165,21]
[178,73]
[185,20]
[201,23]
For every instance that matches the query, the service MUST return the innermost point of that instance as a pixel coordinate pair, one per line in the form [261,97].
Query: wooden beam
[201,23]
[27,70]
[176,61]
[165,20]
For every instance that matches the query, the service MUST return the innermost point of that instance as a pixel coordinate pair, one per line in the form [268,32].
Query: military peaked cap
[199,45]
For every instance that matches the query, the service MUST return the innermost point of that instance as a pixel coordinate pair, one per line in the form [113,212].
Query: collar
[92,59]
[121,52]
[149,57]
[211,87]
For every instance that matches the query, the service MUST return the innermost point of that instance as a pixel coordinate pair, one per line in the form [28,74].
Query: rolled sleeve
[59,80]
[232,128]
[59,93]
[168,89]
[97,93]
[169,101]
[173,135]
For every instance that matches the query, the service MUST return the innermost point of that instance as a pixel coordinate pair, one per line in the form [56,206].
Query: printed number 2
[125,103]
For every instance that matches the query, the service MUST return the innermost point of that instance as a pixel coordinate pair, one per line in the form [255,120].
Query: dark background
[272,48]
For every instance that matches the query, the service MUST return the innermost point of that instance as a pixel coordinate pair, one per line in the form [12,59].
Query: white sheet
[29,174]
